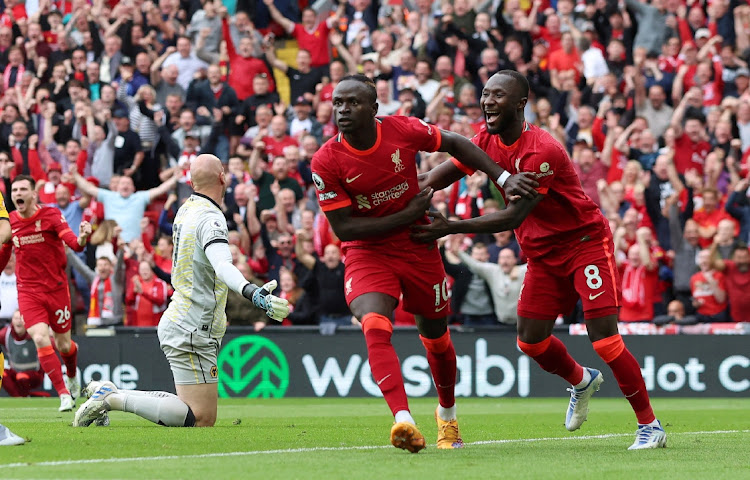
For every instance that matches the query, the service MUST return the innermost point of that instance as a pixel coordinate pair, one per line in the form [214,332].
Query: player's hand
[439,227]
[420,203]
[84,230]
[275,307]
[523,184]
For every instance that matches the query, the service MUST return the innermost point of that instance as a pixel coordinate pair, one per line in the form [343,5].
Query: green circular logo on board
[252,367]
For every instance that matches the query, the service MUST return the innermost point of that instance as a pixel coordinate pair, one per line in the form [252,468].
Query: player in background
[6,436]
[366,178]
[191,330]
[570,251]
[39,235]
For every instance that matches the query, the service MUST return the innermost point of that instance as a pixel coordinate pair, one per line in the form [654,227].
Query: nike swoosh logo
[383,379]
[14,230]
[350,180]
[441,308]
[594,297]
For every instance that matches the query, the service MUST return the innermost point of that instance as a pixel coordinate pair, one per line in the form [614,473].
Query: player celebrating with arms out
[570,251]
[367,185]
[43,296]
[191,330]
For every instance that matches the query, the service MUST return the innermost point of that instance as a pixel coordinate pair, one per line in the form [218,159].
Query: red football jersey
[566,215]
[40,254]
[379,181]
[316,42]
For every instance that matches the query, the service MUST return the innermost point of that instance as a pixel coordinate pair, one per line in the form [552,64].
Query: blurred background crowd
[105,104]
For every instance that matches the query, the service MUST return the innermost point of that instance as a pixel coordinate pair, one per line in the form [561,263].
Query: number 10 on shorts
[441,289]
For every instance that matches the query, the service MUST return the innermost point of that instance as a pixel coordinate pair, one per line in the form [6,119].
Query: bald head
[205,172]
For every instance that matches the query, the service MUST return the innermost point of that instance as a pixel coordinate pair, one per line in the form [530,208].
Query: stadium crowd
[105,105]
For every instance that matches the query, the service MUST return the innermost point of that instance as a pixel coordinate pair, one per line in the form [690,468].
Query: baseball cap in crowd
[126,61]
[193,134]
[588,27]
[119,113]
[702,33]
[369,57]
[301,101]
[54,166]
[742,72]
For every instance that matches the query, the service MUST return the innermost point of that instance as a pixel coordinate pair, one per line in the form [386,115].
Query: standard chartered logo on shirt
[253,367]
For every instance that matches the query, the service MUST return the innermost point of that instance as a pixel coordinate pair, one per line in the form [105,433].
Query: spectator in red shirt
[565,61]
[709,290]
[310,33]
[691,142]
[243,67]
[590,171]
[24,153]
[737,272]
[148,296]
[708,217]
[278,138]
[640,275]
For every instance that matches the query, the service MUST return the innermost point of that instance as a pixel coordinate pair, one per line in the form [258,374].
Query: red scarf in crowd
[106,310]
[634,287]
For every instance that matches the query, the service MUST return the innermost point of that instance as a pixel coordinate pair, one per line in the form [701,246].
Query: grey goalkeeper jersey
[200,297]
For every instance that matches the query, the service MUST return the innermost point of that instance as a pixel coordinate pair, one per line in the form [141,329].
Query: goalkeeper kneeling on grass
[191,330]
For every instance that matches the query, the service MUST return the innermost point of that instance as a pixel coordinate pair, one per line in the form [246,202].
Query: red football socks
[553,357]
[384,364]
[71,359]
[51,366]
[442,359]
[627,372]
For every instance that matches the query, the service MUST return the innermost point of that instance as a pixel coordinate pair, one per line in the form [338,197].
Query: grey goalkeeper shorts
[191,357]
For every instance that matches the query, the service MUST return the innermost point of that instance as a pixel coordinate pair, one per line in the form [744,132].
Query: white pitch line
[329,449]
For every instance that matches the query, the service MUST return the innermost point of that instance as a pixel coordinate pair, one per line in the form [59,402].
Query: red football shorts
[553,284]
[416,272]
[52,308]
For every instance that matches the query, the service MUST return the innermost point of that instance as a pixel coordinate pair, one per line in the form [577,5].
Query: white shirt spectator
[187,66]
[594,64]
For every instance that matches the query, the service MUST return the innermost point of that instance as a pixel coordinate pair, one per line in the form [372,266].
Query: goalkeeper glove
[275,307]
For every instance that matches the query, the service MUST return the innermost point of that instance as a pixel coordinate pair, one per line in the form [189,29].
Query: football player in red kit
[37,235]
[569,248]
[366,180]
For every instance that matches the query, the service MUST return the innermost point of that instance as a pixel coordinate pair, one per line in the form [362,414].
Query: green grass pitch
[348,439]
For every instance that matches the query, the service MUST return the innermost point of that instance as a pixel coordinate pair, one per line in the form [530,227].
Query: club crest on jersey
[38,226]
[348,286]
[396,159]
[319,184]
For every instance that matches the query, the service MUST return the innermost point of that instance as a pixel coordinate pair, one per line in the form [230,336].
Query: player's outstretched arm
[220,257]
[348,227]
[472,156]
[507,219]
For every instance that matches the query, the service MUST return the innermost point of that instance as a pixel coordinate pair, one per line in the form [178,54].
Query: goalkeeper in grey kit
[191,330]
